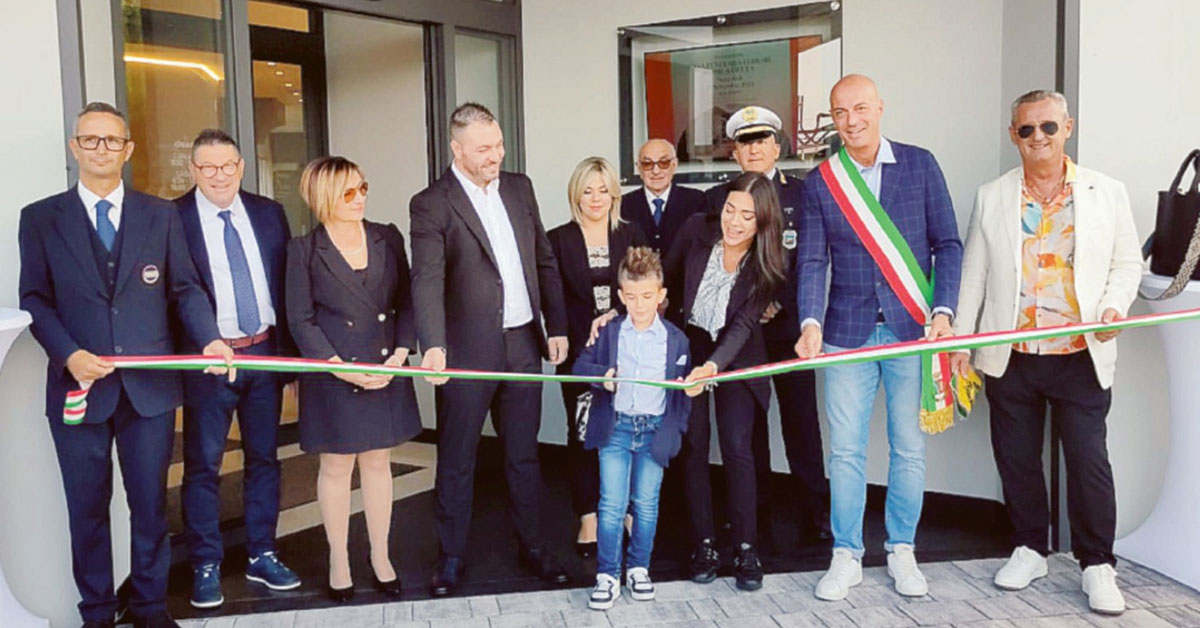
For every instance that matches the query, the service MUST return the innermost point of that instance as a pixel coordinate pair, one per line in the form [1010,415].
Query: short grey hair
[101,107]
[1038,95]
[214,137]
[468,113]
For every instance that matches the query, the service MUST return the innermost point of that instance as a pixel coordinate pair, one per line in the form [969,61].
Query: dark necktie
[104,226]
[658,209]
[243,285]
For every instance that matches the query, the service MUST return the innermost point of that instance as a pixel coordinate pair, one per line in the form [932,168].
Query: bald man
[660,207]
[874,299]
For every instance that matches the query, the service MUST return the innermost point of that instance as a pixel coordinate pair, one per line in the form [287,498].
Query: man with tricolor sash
[1049,244]
[878,217]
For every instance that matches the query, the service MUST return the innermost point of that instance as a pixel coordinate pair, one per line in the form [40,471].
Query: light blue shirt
[494,216]
[641,354]
[873,174]
[213,227]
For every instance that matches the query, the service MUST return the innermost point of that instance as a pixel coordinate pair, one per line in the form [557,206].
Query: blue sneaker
[267,569]
[206,586]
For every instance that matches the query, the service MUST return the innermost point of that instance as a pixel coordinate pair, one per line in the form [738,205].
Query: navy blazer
[914,195]
[601,356]
[271,232]
[681,204]
[61,287]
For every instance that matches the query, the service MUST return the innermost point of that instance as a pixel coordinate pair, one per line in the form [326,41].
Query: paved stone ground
[961,594]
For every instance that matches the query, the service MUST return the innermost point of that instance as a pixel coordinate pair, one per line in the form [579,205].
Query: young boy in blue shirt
[637,428]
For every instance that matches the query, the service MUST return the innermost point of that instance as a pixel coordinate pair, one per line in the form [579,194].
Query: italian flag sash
[942,394]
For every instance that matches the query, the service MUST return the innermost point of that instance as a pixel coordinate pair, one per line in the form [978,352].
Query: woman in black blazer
[727,269]
[589,250]
[348,300]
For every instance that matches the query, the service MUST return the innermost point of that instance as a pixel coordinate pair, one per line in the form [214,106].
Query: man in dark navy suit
[659,207]
[754,131]
[238,242]
[101,266]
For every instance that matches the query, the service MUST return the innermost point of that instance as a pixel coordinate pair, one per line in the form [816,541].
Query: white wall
[34,550]
[1137,119]
[938,64]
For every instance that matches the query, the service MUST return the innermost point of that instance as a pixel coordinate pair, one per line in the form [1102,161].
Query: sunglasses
[350,193]
[1026,130]
[663,164]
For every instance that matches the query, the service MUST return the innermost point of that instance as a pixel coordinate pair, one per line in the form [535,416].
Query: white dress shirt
[90,198]
[494,216]
[665,196]
[213,227]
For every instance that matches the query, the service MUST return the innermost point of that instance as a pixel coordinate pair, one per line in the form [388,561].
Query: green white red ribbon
[76,402]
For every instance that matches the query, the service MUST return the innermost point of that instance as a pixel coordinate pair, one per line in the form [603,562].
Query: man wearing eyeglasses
[660,207]
[1072,256]
[754,132]
[104,269]
[238,242]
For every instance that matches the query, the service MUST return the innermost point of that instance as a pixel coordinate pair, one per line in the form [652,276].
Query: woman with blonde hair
[589,250]
[348,300]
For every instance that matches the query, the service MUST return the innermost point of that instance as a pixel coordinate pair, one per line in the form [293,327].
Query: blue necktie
[658,207]
[104,226]
[243,285]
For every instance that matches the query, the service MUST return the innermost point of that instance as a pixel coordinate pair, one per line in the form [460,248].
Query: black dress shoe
[447,576]
[340,596]
[391,587]
[704,562]
[98,624]
[747,570]
[539,562]
[161,619]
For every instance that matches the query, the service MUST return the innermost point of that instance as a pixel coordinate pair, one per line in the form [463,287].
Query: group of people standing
[664,282]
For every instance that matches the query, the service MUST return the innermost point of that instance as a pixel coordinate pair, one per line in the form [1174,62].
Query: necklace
[362,245]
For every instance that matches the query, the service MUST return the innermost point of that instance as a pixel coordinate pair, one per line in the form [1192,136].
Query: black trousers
[85,459]
[208,406]
[736,416]
[796,394]
[516,409]
[1078,406]
[583,465]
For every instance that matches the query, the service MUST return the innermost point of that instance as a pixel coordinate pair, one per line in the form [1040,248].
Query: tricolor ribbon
[76,402]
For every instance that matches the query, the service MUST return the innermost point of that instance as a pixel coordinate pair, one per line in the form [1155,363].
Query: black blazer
[271,233]
[740,343]
[784,327]
[456,280]
[682,203]
[333,311]
[61,286]
[571,252]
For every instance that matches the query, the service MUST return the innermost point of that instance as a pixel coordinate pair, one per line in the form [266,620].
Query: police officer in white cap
[755,133]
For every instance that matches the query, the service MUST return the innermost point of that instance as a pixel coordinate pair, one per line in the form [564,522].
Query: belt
[509,330]
[247,341]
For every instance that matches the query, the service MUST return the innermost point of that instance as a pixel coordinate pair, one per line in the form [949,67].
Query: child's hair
[640,262]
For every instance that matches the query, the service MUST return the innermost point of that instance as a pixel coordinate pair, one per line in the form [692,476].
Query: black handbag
[1175,245]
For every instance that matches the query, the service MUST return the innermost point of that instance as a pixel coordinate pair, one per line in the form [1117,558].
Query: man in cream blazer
[1050,243]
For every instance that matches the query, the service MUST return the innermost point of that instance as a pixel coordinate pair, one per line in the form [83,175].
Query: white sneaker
[640,586]
[1023,567]
[844,572]
[605,594]
[902,567]
[1100,585]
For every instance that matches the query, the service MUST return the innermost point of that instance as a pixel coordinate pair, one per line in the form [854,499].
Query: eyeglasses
[350,193]
[663,164]
[1026,130]
[209,171]
[92,142]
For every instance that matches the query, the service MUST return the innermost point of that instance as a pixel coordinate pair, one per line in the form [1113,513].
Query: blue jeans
[628,472]
[849,400]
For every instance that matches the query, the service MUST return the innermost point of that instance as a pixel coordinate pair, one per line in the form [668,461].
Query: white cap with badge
[751,123]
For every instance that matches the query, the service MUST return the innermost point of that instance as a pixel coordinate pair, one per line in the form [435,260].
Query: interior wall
[907,47]
[1136,121]
[34,552]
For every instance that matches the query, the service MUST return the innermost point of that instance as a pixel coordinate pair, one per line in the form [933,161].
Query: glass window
[281,138]
[482,75]
[276,15]
[175,86]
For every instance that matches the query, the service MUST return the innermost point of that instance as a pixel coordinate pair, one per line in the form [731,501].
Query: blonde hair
[578,181]
[324,182]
